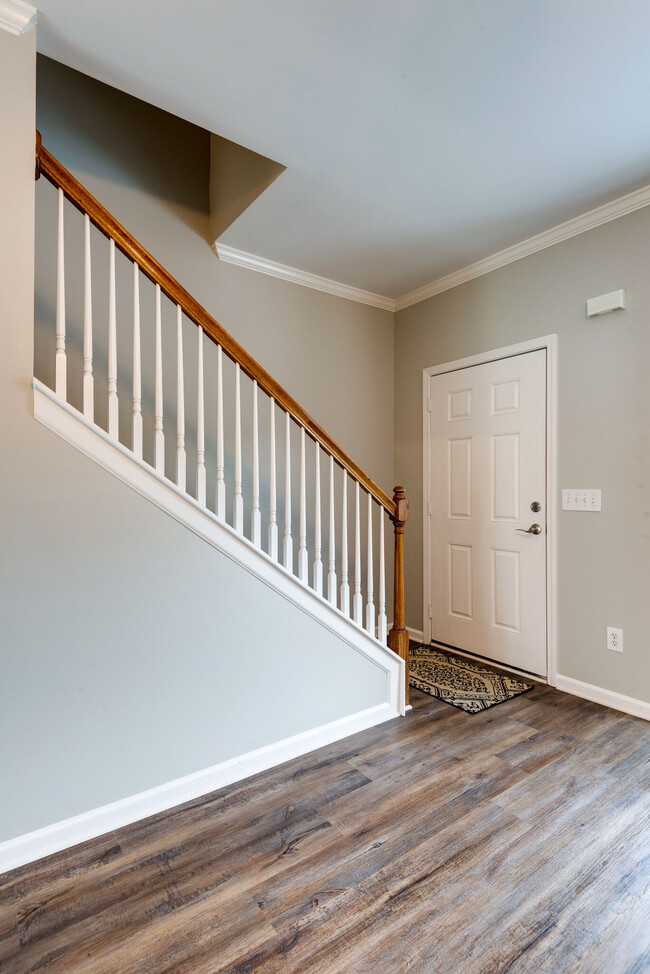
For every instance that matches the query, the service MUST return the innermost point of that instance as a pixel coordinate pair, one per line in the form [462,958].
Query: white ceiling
[419,136]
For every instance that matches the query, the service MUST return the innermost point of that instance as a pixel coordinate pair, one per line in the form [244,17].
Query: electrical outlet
[615,639]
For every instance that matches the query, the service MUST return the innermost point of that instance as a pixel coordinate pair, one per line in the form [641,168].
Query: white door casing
[489,455]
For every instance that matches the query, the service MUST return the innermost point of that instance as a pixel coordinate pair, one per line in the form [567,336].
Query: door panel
[460,581]
[460,477]
[488,465]
[506,603]
[505,477]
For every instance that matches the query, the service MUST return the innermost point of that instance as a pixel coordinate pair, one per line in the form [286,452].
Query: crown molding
[232,256]
[563,231]
[16,16]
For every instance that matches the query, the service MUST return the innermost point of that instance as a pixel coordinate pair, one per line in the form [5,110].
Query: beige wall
[237,177]
[152,171]
[604,428]
[86,689]
[131,652]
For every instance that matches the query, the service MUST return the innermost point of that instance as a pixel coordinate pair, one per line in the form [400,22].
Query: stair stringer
[91,440]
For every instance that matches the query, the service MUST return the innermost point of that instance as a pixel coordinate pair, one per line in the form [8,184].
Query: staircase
[177,449]
[229,616]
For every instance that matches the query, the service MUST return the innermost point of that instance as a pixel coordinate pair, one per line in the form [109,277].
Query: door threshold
[491,662]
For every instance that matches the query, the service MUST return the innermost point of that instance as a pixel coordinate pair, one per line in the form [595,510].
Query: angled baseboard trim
[608,698]
[68,423]
[98,821]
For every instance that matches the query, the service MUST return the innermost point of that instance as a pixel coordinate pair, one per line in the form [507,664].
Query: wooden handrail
[59,176]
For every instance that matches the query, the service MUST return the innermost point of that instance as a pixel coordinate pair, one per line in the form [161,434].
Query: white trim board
[563,231]
[608,698]
[415,634]
[17,17]
[531,245]
[231,255]
[98,821]
[550,343]
[94,442]
[587,691]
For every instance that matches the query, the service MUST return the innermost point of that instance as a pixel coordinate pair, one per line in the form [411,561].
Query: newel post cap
[401,504]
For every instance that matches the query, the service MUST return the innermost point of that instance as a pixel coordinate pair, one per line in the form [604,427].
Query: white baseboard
[416,634]
[71,831]
[608,698]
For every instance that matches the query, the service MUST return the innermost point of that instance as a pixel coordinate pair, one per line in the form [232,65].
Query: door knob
[533,529]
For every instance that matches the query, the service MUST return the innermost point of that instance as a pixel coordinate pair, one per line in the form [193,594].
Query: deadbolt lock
[536,507]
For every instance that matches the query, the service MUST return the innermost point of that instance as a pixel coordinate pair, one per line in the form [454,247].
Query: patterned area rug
[460,682]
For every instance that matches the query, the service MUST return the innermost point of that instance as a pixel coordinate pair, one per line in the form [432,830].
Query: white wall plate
[580,500]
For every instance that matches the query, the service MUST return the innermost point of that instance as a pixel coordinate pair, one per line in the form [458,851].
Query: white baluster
[256,517]
[88,385]
[158,435]
[357,601]
[60,384]
[303,566]
[137,367]
[331,575]
[220,490]
[345,587]
[238,507]
[288,543]
[113,408]
[181,459]
[382,622]
[273,514]
[318,564]
[370,605]
[200,427]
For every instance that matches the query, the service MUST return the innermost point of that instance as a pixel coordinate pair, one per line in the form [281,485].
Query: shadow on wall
[165,155]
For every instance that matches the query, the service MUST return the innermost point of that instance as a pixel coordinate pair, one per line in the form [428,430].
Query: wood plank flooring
[515,840]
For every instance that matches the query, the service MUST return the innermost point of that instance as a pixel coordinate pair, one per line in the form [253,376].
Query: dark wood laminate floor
[515,840]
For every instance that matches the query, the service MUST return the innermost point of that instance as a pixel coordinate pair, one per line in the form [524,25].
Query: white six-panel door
[487,474]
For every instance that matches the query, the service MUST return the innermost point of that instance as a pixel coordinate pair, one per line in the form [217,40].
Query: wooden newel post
[398,637]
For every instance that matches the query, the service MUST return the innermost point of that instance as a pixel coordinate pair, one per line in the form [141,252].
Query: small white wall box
[605,303]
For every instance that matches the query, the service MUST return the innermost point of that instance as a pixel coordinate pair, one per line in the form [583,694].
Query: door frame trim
[550,343]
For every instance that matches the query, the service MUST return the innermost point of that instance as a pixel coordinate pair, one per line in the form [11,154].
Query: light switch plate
[581,500]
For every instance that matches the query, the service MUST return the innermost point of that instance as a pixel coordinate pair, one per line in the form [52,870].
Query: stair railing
[349,599]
